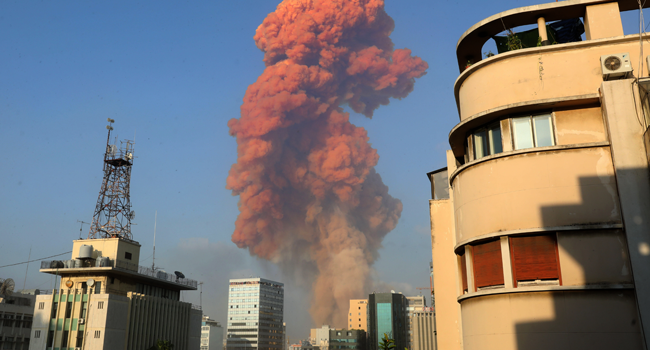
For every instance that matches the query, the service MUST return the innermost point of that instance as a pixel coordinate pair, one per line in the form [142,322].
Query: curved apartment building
[540,222]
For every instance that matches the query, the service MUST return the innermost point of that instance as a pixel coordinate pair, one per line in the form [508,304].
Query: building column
[626,127]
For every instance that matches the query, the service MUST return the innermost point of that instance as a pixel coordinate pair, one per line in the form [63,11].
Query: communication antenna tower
[113,215]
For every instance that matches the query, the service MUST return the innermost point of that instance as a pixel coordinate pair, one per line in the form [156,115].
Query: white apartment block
[211,334]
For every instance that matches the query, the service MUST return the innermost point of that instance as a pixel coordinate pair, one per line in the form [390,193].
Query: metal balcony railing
[142,270]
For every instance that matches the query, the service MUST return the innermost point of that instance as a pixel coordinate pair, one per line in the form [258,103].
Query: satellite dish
[90,282]
[132,215]
[179,274]
[7,287]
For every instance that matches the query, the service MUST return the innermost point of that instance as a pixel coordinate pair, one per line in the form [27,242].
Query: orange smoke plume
[310,199]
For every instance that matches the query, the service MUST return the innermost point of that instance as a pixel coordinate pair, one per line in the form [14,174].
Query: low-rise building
[16,312]
[413,304]
[320,336]
[344,339]
[107,301]
[211,334]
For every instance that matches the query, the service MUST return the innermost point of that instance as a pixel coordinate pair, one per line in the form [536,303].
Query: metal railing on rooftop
[142,270]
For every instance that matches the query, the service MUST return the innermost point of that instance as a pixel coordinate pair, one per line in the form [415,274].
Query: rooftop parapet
[470,44]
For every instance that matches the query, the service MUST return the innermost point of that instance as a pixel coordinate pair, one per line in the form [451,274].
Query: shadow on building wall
[601,312]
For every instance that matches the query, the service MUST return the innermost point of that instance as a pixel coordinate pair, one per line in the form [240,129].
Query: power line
[26,262]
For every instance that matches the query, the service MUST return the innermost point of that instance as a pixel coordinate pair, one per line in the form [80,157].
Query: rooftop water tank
[78,263]
[85,251]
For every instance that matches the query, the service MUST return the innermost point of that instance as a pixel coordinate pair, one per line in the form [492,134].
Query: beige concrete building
[358,314]
[540,222]
[107,301]
[423,330]
[413,305]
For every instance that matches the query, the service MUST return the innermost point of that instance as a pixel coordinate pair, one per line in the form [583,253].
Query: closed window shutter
[463,271]
[488,266]
[534,258]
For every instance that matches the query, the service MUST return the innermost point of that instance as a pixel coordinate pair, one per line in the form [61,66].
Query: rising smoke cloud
[310,198]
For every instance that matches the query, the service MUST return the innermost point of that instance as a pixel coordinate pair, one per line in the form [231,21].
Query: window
[98,287]
[488,266]
[64,339]
[55,307]
[41,305]
[534,259]
[127,255]
[100,305]
[98,334]
[487,141]
[68,310]
[50,337]
[533,131]
[80,338]
[37,334]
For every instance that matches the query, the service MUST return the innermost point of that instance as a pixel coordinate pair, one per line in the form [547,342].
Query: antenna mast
[113,215]
[155,220]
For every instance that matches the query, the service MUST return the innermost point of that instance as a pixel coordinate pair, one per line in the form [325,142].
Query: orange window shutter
[534,257]
[488,266]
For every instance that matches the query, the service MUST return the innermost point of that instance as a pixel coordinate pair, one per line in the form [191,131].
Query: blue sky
[172,74]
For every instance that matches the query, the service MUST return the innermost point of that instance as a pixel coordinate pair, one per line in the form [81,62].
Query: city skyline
[159,71]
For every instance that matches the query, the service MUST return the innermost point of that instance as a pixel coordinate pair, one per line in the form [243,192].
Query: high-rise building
[387,315]
[358,314]
[211,334]
[540,222]
[16,314]
[255,314]
[413,304]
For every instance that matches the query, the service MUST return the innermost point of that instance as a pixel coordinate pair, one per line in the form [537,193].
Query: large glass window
[384,321]
[487,141]
[533,131]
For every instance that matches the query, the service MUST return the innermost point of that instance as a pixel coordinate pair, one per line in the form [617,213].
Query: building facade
[16,314]
[413,304]
[107,301]
[358,314]
[320,336]
[255,314]
[423,330]
[387,315]
[540,226]
[211,334]
[346,339]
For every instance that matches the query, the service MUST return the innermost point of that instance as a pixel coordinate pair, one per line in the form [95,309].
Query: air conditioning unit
[616,66]
[82,321]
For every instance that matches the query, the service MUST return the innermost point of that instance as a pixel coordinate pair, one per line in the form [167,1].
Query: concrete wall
[113,248]
[514,77]
[540,189]
[445,277]
[41,322]
[151,319]
[552,320]
[424,331]
[603,21]
[580,125]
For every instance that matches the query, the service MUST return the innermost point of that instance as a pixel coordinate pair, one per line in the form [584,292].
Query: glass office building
[386,315]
